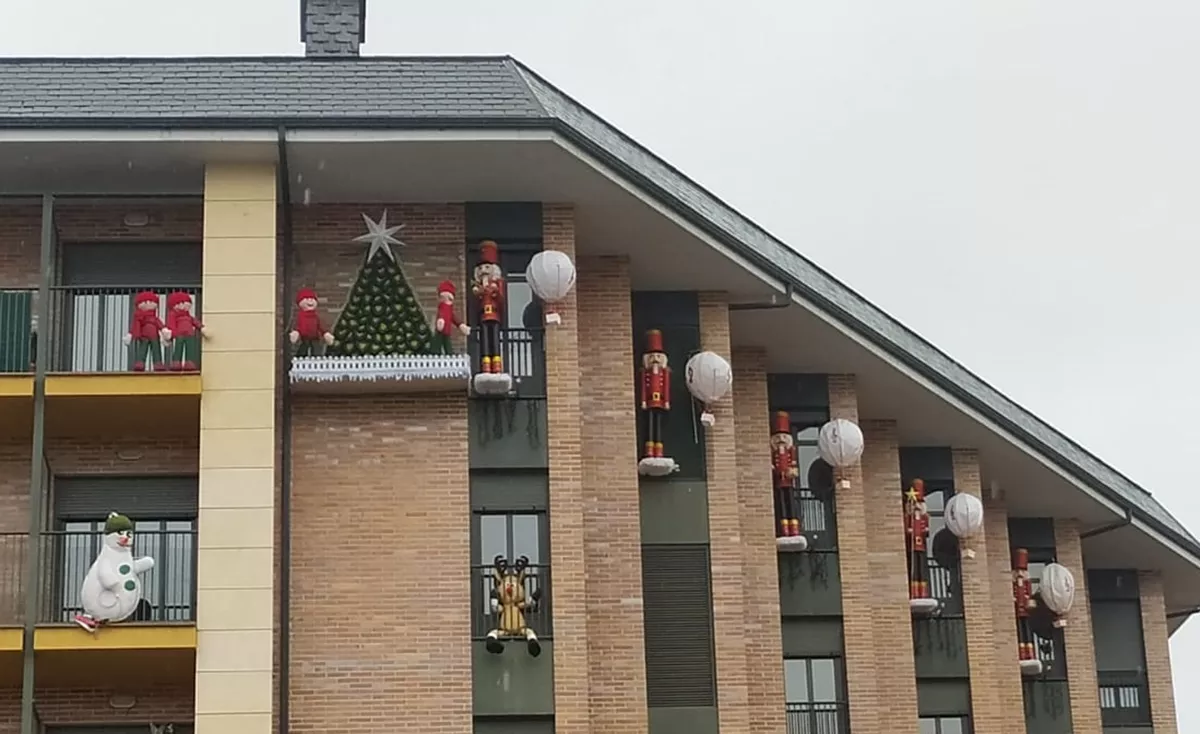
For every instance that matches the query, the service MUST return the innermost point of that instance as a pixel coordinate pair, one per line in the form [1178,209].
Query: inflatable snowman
[112,588]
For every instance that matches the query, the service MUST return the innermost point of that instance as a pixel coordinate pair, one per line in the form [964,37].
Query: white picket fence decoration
[394,367]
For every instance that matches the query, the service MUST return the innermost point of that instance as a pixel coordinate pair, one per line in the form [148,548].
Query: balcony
[483,620]
[818,718]
[160,637]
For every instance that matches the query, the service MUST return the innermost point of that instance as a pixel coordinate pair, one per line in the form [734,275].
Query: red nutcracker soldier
[785,467]
[488,289]
[916,530]
[1024,605]
[655,402]
[146,333]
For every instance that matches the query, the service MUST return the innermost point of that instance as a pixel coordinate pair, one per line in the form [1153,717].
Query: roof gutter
[789,291]
[284,255]
[1123,522]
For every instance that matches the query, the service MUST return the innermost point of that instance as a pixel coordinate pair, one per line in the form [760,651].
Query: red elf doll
[146,333]
[446,320]
[183,331]
[308,333]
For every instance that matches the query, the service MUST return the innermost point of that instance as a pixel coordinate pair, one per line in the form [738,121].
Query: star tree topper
[380,236]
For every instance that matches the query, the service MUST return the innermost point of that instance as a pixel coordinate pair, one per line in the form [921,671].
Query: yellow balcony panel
[141,667]
[10,640]
[174,416]
[122,383]
[127,636]
[16,386]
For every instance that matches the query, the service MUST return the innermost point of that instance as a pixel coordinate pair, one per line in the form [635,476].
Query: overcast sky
[1016,181]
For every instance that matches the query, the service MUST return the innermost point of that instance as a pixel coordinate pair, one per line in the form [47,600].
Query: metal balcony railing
[524,356]
[89,324]
[818,718]
[1124,698]
[817,518]
[18,339]
[483,620]
[168,590]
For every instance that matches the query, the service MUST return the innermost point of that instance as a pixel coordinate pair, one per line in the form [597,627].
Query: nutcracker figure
[446,321]
[655,402]
[146,333]
[308,333]
[183,331]
[916,530]
[488,289]
[785,467]
[1024,604]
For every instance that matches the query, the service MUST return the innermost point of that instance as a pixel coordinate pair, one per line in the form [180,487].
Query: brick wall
[1079,643]
[759,560]
[612,530]
[20,244]
[1004,632]
[63,707]
[567,553]
[1158,654]
[380,513]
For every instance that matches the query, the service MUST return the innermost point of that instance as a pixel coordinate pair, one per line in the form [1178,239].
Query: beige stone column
[725,533]
[567,557]
[1158,654]
[894,664]
[995,678]
[751,410]
[1080,645]
[612,529]
[858,594]
[234,560]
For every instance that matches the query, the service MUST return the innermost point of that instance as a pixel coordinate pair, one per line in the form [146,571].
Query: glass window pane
[493,537]
[525,537]
[935,501]
[952,726]
[795,681]
[807,455]
[808,434]
[824,681]
[936,523]
[929,726]
[519,296]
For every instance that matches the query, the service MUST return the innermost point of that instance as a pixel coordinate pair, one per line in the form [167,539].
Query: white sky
[1016,181]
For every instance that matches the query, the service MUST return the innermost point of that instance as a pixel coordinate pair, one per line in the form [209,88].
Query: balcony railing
[168,590]
[1124,698]
[537,582]
[17,335]
[89,324]
[524,358]
[817,519]
[817,718]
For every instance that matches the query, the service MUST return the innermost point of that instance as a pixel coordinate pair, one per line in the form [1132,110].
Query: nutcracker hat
[489,252]
[446,286]
[654,341]
[918,486]
[145,297]
[177,298]
[783,422]
[1020,559]
[117,523]
[304,294]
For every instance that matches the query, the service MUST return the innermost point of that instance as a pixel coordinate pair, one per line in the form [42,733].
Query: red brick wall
[63,707]
[20,244]
[1079,643]
[380,514]
[1158,654]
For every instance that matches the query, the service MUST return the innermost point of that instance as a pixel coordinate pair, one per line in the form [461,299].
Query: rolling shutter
[141,498]
[677,593]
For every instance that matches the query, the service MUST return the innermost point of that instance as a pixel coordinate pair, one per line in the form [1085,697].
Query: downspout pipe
[37,475]
[284,256]
[774,303]
[1123,522]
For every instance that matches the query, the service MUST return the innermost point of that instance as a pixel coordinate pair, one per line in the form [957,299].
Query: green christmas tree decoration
[382,316]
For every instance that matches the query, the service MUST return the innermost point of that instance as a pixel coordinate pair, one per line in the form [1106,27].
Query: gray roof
[489,92]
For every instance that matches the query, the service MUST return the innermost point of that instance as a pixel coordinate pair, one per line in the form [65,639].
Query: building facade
[368,532]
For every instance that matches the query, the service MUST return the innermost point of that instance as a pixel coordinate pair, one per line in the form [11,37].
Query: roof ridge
[267,58]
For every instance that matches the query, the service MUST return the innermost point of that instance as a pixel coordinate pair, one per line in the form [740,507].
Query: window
[813,694]
[511,536]
[521,338]
[944,583]
[944,725]
[1048,650]
[1120,662]
[814,487]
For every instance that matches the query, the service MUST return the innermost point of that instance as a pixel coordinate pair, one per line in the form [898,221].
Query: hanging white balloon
[709,378]
[964,518]
[1058,591]
[840,443]
[551,275]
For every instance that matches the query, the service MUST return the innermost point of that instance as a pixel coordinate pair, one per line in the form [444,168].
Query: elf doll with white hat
[112,588]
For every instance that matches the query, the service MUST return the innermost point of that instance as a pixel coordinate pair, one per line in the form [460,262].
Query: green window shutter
[677,595]
[16,330]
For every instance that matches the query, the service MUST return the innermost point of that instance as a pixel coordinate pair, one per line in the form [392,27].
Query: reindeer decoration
[510,604]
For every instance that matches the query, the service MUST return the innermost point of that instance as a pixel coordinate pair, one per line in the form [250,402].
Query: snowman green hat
[117,523]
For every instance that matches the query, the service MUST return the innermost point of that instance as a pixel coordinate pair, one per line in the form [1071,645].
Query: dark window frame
[539,576]
[948,580]
[827,717]
[814,501]
[963,720]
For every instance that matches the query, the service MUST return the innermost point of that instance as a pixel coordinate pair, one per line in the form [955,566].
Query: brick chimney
[331,28]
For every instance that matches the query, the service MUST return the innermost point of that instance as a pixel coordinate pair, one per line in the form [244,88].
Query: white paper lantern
[709,378]
[1058,590]
[964,518]
[551,275]
[840,444]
